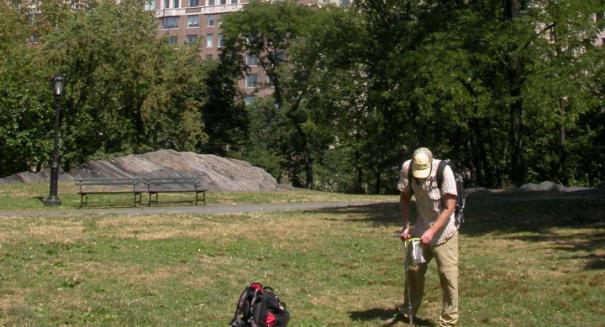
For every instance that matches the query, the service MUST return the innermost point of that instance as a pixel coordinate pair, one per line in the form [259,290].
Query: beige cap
[422,161]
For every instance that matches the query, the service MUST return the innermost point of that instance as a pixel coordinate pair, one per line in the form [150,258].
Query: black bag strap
[256,307]
[410,178]
[440,170]
[240,304]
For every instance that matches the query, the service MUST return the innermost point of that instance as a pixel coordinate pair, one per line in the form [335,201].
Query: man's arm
[442,220]
[404,208]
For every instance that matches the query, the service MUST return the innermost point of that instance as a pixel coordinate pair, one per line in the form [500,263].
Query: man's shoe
[398,317]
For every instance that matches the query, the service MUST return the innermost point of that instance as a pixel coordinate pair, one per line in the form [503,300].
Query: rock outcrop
[215,173]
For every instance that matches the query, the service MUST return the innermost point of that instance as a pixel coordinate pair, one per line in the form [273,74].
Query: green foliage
[226,120]
[266,136]
[503,88]
[510,90]
[25,103]
[126,90]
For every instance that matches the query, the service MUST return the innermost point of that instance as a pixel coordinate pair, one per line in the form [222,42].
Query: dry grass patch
[49,230]
[63,233]
[96,272]
[14,297]
[333,268]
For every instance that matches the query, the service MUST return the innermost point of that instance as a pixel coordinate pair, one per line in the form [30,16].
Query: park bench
[89,186]
[174,185]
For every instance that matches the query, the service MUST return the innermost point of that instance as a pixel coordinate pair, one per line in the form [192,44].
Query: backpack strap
[410,178]
[440,170]
[259,306]
[238,315]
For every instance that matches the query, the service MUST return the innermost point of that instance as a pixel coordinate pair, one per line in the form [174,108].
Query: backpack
[460,197]
[259,306]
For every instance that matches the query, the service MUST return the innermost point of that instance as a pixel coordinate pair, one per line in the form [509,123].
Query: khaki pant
[446,255]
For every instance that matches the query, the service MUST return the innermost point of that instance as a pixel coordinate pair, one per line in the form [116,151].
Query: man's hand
[405,233]
[427,237]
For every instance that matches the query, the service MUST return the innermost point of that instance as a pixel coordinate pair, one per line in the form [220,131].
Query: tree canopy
[513,91]
[126,90]
[507,89]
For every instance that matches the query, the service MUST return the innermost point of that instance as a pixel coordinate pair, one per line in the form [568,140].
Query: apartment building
[190,21]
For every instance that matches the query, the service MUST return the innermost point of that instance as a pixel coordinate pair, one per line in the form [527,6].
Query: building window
[149,5]
[193,21]
[279,55]
[270,81]
[223,2]
[171,40]
[169,22]
[193,3]
[233,2]
[191,39]
[210,20]
[209,56]
[251,59]
[220,40]
[248,99]
[211,2]
[175,3]
[251,80]
[209,41]
[166,4]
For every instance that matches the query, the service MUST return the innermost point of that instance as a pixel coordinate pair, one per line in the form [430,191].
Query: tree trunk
[511,10]
[563,144]
[516,164]
[308,170]
[359,173]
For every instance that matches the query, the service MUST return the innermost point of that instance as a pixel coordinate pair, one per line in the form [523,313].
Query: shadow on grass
[514,215]
[378,214]
[390,317]
[95,204]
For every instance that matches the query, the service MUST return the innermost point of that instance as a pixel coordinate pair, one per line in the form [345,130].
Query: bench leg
[151,200]
[204,198]
[196,197]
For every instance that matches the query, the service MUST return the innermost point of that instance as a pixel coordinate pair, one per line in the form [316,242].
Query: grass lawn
[30,196]
[526,260]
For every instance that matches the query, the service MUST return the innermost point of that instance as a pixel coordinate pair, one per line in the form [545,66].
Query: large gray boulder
[215,173]
[546,186]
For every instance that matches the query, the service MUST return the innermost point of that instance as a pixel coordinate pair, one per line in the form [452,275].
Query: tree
[25,111]
[127,91]
[226,120]
[559,87]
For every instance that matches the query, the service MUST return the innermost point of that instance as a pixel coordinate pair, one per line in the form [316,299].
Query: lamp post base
[52,201]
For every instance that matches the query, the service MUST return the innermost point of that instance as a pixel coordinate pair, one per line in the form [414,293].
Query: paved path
[192,210]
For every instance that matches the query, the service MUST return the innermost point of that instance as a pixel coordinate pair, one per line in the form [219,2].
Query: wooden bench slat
[181,185]
[109,192]
[90,186]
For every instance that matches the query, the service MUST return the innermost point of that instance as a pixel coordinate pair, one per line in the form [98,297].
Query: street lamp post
[53,200]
